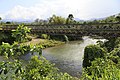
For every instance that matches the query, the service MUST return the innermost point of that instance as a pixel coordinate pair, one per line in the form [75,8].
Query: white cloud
[19,12]
[83,9]
[2,16]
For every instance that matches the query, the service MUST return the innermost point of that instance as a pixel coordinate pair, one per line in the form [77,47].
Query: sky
[43,9]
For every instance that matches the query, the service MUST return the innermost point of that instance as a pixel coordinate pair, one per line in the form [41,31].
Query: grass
[44,42]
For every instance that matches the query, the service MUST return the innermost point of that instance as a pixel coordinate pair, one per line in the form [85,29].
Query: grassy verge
[45,43]
[50,43]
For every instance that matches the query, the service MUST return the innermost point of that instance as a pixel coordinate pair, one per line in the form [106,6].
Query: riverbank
[45,43]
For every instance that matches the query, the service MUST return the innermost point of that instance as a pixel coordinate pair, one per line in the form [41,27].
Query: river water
[68,57]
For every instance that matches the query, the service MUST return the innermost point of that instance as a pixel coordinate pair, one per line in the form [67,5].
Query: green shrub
[114,55]
[21,33]
[101,69]
[11,70]
[104,66]
[16,49]
[45,36]
[38,68]
[91,52]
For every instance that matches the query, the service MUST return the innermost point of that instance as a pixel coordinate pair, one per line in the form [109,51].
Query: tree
[0,18]
[8,22]
[117,18]
[56,20]
[69,19]
[37,20]
[70,16]
[40,21]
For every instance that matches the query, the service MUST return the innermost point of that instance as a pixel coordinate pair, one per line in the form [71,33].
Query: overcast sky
[82,9]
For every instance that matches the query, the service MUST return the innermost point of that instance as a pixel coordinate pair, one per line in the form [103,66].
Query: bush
[38,68]
[16,49]
[91,52]
[114,55]
[45,36]
[101,65]
[21,33]
[101,69]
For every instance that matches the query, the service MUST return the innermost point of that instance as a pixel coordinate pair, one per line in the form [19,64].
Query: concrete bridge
[101,29]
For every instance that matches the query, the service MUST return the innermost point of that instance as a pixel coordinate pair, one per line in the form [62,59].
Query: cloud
[2,16]
[20,12]
[83,9]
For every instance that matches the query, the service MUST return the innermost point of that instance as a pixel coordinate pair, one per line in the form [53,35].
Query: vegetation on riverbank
[50,43]
[45,43]
[102,61]
[36,69]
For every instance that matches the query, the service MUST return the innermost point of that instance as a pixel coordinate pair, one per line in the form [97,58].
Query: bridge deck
[72,29]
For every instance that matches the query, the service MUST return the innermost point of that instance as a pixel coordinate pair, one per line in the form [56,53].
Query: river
[68,57]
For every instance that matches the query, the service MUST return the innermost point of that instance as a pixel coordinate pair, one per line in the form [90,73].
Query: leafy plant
[6,50]
[21,33]
[38,68]
[106,67]
[101,69]
[45,36]
[16,49]
[11,70]
[91,52]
